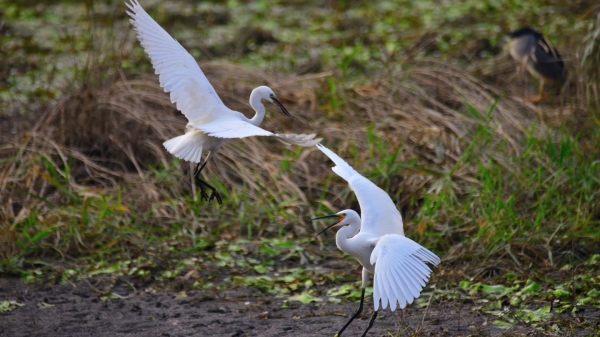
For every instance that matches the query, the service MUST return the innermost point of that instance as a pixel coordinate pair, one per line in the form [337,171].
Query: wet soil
[79,309]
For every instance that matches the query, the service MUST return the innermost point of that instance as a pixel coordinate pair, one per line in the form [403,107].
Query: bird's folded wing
[178,72]
[401,270]
[224,128]
[548,60]
[378,212]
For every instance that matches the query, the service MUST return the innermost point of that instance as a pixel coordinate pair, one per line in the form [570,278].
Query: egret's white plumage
[399,264]
[209,120]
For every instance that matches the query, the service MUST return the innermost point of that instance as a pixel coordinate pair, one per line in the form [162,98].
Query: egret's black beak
[276,101]
[325,217]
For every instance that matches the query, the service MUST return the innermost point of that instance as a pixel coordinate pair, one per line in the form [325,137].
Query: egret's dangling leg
[204,184]
[371,321]
[365,278]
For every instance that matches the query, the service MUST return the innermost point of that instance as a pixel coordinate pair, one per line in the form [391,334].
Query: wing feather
[402,287]
[415,282]
[548,61]
[408,294]
[427,256]
[388,290]
[383,294]
[399,267]
[299,139]
[178,72]
[419,268]
[376,292]
[395,290]
[232,128]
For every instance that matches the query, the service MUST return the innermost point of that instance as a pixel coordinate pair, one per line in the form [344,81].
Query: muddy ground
[77,309]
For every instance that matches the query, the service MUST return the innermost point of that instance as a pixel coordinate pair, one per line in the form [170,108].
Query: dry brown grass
[424,110]
[110,135]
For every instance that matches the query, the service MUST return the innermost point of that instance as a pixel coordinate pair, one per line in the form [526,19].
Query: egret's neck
[256,104]
[345,233]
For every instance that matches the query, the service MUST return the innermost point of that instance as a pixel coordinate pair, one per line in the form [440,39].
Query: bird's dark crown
[524,31]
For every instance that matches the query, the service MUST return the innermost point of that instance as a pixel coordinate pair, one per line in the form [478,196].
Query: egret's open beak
[328,216]
[276,101]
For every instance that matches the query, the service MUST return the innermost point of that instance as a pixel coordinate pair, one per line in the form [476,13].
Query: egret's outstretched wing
[299,139]
[231,128]
[378,212]
[178,72]
[400,270]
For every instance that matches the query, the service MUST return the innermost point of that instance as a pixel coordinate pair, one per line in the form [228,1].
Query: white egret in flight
[209,120]
[399,264]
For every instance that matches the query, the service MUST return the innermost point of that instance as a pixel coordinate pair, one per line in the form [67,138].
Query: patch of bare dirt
[76,309]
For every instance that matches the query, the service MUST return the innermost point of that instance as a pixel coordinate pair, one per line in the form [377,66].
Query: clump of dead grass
[431,110]
[589,61]
[105,140]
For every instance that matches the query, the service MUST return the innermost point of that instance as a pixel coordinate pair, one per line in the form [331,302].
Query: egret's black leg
[360,308]
[371,321]
[199,168]
[213,195]
[204,184]
[200,182]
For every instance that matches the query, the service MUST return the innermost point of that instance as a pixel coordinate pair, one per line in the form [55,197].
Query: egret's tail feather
[186,147]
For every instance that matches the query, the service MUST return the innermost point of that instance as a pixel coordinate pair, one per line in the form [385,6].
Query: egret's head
[344,218]
[266,93]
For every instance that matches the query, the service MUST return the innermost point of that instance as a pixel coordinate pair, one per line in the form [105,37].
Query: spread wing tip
[401,271]
[303,140]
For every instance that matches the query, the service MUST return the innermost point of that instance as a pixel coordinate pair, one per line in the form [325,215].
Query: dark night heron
[534,52]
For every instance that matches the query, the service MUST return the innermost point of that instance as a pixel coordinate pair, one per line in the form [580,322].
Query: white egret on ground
[399,264]
[209,120]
